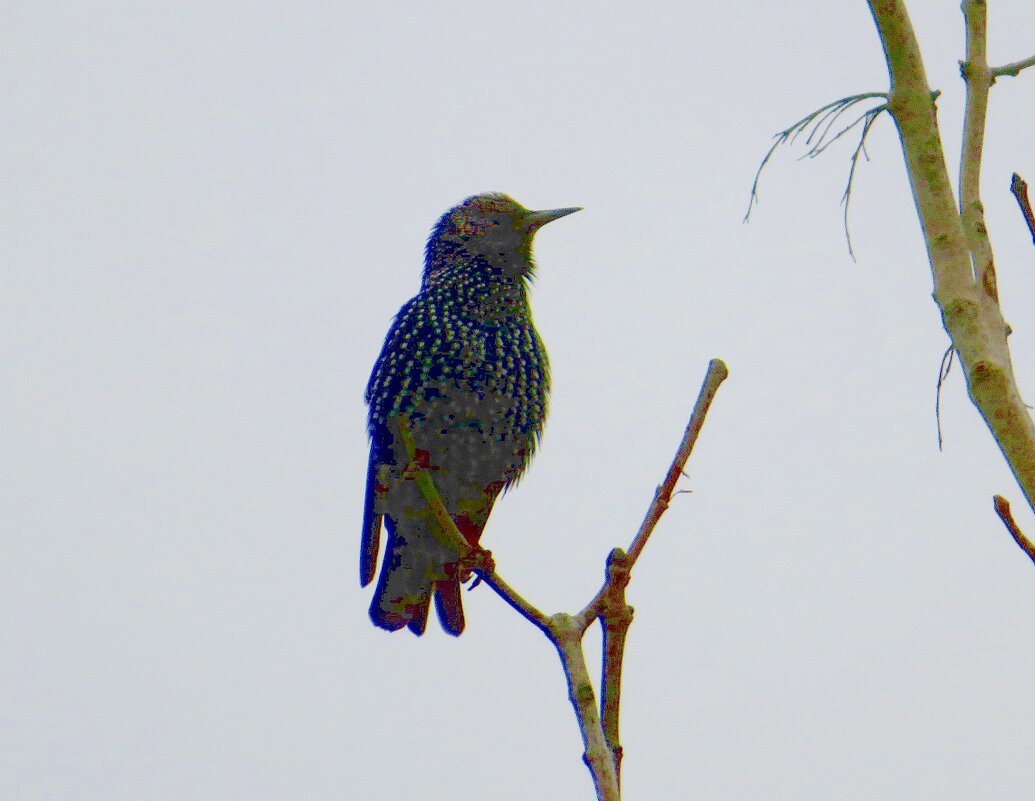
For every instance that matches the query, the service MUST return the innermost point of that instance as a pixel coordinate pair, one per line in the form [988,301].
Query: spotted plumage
[464,363]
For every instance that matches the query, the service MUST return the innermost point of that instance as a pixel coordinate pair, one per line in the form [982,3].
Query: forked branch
[957,242]
[602,750]
[958,246]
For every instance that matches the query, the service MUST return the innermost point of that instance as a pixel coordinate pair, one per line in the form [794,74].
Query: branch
[609,604]
[978,78]
[871,117]
[1019,188]
[1002,508]
[558,628]
[1014,69]
[717,373]
[602,750]
[943,373]
[970,310]
[615,618]
[821,121]
[567,638]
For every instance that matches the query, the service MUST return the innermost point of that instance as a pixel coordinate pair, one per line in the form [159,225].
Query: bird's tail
[415,568]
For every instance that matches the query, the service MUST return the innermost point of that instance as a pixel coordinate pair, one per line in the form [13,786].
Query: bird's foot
[478,561]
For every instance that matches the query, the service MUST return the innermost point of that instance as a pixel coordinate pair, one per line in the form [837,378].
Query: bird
[463,362]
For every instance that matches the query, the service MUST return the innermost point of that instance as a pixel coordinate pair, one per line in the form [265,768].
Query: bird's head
[491,231]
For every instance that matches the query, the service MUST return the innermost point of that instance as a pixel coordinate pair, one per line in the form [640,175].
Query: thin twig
[819,125]
[1002,508]
[943,373]
[717,373]
[1014,69]
[825,141]
[813,120]
[870,117]
[1019,188]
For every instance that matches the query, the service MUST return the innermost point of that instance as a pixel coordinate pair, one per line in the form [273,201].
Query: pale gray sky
[210,213]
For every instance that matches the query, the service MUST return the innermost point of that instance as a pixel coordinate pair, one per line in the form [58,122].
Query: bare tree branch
[978,78]
[1019,188]
[1002,508]
[567,638]
[821,122]
[1014,69]
[603,751]
[615,619]
[609,605]
[717,373]
[943,373]
[968,301]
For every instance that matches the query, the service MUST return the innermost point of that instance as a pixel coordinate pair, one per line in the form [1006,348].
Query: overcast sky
[210,213]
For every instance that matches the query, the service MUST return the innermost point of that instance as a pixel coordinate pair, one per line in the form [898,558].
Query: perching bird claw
[478,562]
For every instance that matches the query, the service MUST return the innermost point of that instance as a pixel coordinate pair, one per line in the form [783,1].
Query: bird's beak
[535,220]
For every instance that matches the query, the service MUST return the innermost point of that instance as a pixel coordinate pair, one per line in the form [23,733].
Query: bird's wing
[380,395]
[370,541]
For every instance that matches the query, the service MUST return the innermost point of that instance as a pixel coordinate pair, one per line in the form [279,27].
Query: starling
[464,363]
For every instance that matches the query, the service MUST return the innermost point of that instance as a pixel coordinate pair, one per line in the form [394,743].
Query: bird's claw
[477,562]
